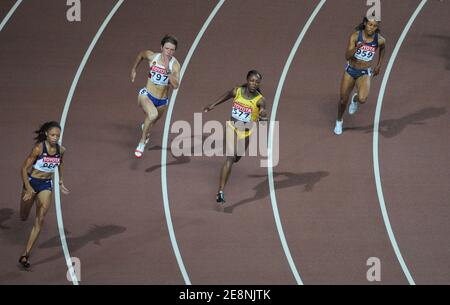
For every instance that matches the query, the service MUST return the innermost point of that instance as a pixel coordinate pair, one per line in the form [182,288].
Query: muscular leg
[225,172]
[161,110]
[347,85]
[25,206]
[151,115]
[363,87]
[230,152]
[232,146]
[42,206]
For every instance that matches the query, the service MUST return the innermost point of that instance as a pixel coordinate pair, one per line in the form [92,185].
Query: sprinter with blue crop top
[37,174]
[360,52]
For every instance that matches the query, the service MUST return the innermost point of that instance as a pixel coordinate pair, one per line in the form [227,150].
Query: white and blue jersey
[47,163]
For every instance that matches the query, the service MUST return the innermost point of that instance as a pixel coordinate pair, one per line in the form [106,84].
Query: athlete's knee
[362,99]
[152,115]
[231,160]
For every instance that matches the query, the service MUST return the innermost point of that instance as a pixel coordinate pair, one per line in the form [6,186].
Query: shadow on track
[282,180]
[393,127]
[95,234]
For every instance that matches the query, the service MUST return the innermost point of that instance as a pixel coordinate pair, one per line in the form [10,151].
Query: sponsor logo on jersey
[50,160]
[158,70]
[242,108]
[367,48]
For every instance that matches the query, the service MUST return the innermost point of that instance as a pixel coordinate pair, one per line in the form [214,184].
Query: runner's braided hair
[169,38]
[41,136]
[250,74]
[362,25]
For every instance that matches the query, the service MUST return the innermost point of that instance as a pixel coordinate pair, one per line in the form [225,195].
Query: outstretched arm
[228,95]
[141,56]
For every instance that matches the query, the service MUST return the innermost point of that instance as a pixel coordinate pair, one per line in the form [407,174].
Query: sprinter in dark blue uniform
[37,175]
[360,52]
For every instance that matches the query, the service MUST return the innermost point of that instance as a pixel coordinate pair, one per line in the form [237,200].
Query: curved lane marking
[10,13]
[376,165]
[59,217]
[165,140]
[276,100]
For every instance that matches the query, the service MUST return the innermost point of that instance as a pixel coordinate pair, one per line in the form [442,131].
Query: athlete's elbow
[23,171]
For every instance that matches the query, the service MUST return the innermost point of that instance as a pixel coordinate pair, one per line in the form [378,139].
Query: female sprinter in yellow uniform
[37,174]
[361,50]
[164,71]
[248,108]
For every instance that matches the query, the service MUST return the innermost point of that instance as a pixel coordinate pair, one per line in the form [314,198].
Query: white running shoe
[353,105]
[338,127]
[139,150]
[142,126]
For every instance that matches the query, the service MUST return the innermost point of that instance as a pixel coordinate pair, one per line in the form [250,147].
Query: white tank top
[158,74]
[47,163]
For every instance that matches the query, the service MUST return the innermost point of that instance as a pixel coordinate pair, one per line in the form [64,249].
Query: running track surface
[325,186]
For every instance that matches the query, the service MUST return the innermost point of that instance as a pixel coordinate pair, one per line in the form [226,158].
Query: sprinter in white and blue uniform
[164,71]
[37,175]
[360,52]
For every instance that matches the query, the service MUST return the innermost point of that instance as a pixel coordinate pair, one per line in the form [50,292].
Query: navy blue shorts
[40,185]
[156,101]
[357,73]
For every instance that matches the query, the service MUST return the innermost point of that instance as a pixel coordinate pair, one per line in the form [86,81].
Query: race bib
[365,53]
[241,113]
[158,76]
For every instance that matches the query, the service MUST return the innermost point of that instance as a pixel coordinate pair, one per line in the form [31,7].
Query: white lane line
[62,235]
[376,165]
[276,100]
[10,13]
[165,140]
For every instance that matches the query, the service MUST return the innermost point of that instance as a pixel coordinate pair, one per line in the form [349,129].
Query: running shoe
[353,105]
[338,127]
[24,262]
[139,150]
[220,197]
